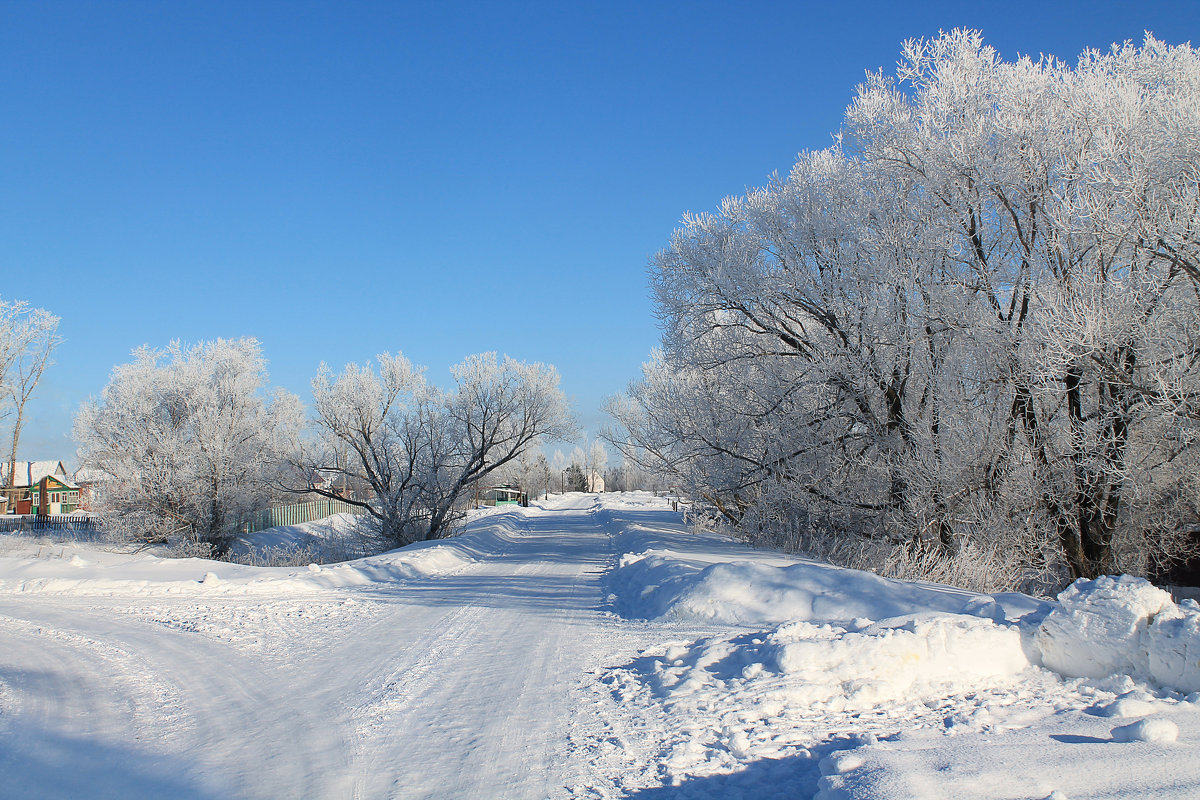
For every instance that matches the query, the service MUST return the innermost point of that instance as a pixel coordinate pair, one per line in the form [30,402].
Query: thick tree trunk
[1100,466]
[1066,531]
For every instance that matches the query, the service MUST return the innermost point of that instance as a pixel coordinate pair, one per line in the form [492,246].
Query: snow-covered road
[459,685]
[586,648]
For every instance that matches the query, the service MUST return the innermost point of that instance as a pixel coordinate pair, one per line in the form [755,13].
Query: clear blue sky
[343,178]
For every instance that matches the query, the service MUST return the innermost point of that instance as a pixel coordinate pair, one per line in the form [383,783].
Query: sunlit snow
[589,646]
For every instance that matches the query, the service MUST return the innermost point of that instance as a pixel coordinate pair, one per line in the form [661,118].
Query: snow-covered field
[586,647]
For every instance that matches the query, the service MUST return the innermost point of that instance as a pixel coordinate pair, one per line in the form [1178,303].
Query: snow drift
[1123,625]
[656,584]
[1108,626]
[710,578]
[894,659]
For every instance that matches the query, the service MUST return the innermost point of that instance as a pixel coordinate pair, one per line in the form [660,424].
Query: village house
[24,496]
[506,495]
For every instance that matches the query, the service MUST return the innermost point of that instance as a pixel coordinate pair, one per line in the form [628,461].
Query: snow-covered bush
[976,567]
[281,556]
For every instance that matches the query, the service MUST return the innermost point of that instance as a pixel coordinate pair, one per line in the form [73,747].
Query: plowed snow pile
[843,675]
[1123,626]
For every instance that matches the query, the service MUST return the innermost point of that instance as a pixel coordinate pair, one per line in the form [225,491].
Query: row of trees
[28,337]
[585,469]
[192,444]
[973,323]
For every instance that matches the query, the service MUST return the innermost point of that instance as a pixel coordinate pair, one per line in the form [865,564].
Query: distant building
[504,496]
[25,494]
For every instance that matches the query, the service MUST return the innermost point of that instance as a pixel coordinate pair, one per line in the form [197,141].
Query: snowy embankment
[1110,626]
[889,685]
[89,570]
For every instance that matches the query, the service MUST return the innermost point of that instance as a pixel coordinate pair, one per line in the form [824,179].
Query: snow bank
[1112,626]
[1042,754]
[900,659]
[76,569]
[768,588]
[1109,626]
[742,698]
[114,574]
[894,659]
[869,687]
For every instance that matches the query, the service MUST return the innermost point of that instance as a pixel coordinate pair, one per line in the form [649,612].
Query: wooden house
[38,487]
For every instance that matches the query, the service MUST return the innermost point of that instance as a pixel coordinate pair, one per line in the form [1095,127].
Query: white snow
[708,578]
[1159,731]
[1124,625]
[586,647]
[77,569]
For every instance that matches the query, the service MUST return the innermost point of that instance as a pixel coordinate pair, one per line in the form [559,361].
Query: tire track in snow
[102,697]
[465,716]
[238,724]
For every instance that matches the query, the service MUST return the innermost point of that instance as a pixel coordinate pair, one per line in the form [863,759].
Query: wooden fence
[31,523]
[296,514]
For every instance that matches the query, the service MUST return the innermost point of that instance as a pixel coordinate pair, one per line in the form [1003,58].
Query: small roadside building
[504,496]
[38,485]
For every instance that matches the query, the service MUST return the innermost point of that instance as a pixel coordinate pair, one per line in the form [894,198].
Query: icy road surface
[591,647]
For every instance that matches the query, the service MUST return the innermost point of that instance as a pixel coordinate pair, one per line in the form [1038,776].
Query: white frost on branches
[974,321]
[418,450]
[27,338]
[188,439]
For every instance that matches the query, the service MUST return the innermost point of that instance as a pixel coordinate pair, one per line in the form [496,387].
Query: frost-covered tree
[578,458]
[189,439]
[558,465]
[625,477]
[421,449]
[530,471]
[1065,202]
[27,338]
[597,462]
[973,323]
